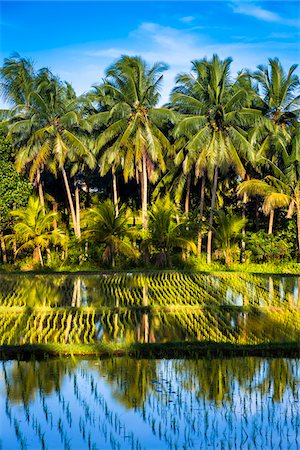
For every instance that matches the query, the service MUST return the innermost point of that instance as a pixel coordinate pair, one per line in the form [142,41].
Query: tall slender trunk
[298,222]
[55,208]
[144,192]
[243,257]
[40,257]
[14,243]
[211,215]
[3,249]
[271,221]
[71,204]
[115,189]
[202,193]
[40,188]
[77,206]
[187,196]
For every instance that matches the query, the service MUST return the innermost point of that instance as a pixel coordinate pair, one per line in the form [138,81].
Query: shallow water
[125,403]
[129,308]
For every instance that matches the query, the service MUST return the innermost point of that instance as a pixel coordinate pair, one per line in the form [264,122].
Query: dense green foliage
[14,188]
[218,166]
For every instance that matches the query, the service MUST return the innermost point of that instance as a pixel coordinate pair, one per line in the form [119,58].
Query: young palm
[104,226]
[133,133]
[227,229]
[166,232]
[33,229]
[213,117]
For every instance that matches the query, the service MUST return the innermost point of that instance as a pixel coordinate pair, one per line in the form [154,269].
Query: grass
[192,265]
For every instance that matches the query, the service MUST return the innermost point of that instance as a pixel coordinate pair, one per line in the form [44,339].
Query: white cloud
[187,19]
[253,10]
[178,48]
[85,65]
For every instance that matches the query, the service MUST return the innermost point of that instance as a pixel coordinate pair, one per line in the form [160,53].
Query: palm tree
[227,230]
[167,233]
[276,96]
[273,195]
[104,226]
[213,117]
[282,188]
[33,229]
[52,134]
[133,133]
[18,80]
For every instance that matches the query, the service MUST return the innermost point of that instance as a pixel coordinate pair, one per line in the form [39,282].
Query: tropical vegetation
[112,178]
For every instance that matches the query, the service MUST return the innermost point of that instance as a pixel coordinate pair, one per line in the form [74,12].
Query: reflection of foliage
[25,379]
[164,307]
[213,379]
[130,379]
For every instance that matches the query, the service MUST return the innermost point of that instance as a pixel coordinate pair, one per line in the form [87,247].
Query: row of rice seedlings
[164,288]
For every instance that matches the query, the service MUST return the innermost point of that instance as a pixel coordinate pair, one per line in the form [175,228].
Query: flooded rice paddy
[129,308]
[127,403]
[121,403]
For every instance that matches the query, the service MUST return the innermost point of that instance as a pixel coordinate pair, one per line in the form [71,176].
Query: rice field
[161,307]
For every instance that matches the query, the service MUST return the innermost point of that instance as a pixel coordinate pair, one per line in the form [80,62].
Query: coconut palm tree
[52,134]
[213,117]
[273,195]
[282,188]
[277,97]
[33,229]
[133,133]
[104,226]
[17,80]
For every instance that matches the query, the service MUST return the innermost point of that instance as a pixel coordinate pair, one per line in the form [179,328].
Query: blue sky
[78,40]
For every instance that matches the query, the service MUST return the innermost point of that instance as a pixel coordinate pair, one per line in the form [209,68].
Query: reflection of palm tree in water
[24,379]
[214,379]
[130,379]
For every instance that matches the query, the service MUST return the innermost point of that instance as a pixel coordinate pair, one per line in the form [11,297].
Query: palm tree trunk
[14,249]
[40,257]
[115,189]
[77,206]
[144,192]
[67,186]
[243,258]
[187,196]
[40,188]
[3,249]
[298,223]
[55,207]
[271,221]
[211,215]
[202,193]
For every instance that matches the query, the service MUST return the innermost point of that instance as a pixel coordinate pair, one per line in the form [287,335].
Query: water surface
[125,403]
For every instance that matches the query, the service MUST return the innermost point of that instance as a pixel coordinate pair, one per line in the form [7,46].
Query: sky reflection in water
[125,403]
